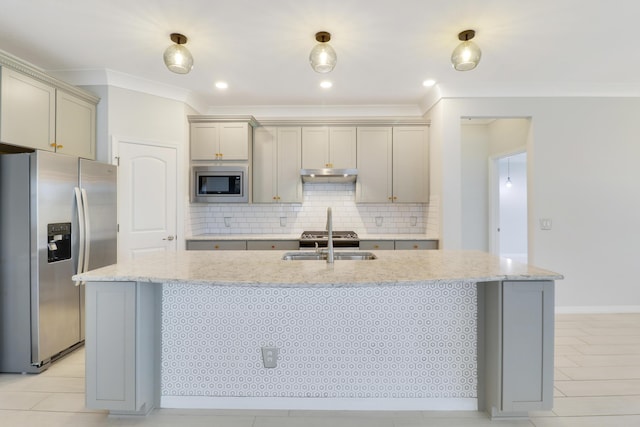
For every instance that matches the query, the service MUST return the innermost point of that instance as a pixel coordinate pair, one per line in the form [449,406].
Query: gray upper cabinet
[75,126]
[393,165]
[276,165]
[36,114]
[220,141]
[328,147]
[374,184]
[27,111]
[410,164]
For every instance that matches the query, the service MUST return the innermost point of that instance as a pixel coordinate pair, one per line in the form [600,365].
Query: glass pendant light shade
[467,55]
[508,184]
[177,58]
[322,57]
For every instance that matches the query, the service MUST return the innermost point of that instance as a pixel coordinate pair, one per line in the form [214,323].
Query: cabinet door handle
[376,246]
[216,247]
[169,238]
[415,246]
[58,146]
[53,144]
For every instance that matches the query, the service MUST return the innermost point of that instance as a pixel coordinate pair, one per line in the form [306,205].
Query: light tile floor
[597,384]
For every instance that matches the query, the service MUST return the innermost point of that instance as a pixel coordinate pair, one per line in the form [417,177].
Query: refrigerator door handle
[81,232]
[87,230]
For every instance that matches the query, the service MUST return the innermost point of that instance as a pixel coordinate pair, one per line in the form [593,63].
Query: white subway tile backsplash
[311,214]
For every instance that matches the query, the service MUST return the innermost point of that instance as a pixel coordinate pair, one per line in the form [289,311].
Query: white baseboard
[320,403]
[598,309]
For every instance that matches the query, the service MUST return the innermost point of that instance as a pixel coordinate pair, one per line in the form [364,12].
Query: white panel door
[147,206]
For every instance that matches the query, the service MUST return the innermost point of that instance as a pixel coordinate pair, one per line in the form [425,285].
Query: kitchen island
[414,330]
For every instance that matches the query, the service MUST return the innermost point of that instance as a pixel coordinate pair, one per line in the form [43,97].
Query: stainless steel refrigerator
[57,217]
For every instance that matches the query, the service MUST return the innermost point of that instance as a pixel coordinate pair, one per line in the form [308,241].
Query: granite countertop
[362,236]
[265,268]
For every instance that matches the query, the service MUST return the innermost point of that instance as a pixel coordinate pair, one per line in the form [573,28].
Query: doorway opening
[511,189]
[494,216]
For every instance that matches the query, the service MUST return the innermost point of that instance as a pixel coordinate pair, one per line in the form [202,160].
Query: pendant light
[508,184]
[322,57]
[177,58]
[467,55]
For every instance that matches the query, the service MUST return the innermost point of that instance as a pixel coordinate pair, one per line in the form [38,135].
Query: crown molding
[17,64]
[227,118]
[343,121]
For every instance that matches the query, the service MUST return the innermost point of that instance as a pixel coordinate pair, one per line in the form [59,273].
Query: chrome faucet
[330,241]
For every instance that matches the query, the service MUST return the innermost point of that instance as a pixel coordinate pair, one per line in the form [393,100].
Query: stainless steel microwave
[220,184]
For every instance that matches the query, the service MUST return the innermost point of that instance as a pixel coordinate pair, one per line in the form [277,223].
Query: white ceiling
[385,48]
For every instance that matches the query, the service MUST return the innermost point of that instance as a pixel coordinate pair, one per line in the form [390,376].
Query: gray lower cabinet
[290,245]
[122,346]
[266,245]
[518,353]
[212,245]
[398,244]
[416,244]
[379,245]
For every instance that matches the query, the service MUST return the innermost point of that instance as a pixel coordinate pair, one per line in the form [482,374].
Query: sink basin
[322,256]
[351,256]
[301,256]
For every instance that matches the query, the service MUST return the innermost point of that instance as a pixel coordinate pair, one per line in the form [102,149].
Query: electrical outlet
[545,224]
[270,356]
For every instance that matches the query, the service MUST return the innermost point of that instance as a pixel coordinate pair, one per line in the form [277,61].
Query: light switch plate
[545,223]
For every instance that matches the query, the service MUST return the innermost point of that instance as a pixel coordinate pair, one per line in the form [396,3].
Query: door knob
[169,238]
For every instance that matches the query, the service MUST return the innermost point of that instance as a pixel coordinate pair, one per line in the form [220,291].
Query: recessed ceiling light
[428,83]
[325,84]
[222,85]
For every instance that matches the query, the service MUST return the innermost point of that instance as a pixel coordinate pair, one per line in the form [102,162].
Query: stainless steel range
[341,239]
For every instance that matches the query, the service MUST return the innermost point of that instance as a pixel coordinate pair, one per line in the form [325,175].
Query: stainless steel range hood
[328,175]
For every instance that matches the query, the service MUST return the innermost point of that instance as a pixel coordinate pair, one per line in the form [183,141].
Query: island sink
[322,256]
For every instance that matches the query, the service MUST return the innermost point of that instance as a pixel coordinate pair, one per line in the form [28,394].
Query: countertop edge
[268,269]
[257,237]
[161,280]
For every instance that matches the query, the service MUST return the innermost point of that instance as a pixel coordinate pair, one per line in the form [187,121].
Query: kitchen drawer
[416,244]
[213,245]
[376,245]
[265,245]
